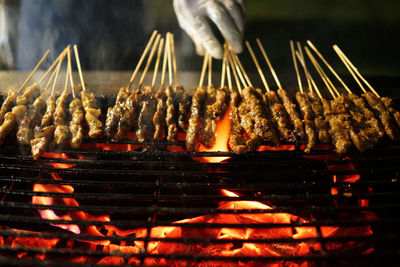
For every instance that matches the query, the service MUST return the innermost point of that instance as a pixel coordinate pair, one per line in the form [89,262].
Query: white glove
[228,16]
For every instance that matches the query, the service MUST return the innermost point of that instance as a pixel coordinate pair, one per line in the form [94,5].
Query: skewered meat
[280,116]
[114,113]
[171,119]
[128,118]
[208,123]
[75,125]
[185,102]
[145,131]
[256,118]
[47,118]
[384,116]
[61,132]
[91,114]
[298,129]
[321,125]
[8,103]
[339,134]
[11,119]
[213,113]
[237,142]
[196,110]
[308,119]
[388,104]
[42,138]
[159,116]
[32,117]
[29,95]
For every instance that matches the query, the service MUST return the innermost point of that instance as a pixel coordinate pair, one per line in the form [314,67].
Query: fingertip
[236,47]
[216,52]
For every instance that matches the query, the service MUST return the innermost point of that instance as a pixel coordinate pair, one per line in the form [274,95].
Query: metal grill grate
[154,189]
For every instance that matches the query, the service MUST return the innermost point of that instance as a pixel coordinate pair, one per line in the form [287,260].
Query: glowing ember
[58,156]
[221,140]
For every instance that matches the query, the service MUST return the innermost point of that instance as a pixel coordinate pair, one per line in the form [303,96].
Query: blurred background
[367,31]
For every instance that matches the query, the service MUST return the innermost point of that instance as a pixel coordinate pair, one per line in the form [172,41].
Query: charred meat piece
[11,119]
[388,104]
[184,100]
[61,132]
[237,142]
[308,119]
[213,113]
[209,125]
[159,117]
[339,133]
[29,95]
[47,118]
[280,116]
[298,129]
[32,118]
[256,118]
[43,137]
[114,113]
[171,118]
[145,131]
[321,125]
[384,115]
[8,104]
[128,118]
[76,123]
[196,111]
[92,114]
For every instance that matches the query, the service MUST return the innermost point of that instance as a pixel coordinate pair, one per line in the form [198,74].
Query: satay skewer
[222,83]
[295,66]
[300,50]
[258,66]
[238,69]
[236,58]
[33,71]
[159,53]
[149,60]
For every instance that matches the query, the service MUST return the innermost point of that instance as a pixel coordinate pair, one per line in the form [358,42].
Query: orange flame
[223,130]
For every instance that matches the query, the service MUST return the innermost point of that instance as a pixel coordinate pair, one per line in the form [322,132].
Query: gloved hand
[228,16]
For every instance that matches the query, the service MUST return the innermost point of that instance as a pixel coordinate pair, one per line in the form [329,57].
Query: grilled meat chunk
[145,131]
[92,114]
[159,117]
[47,118]
[114,113]
[31,119]
[280,116]
[61,132]
[29,95]
[184,111]
[43,137]
[388,104]
[171,118]
[76,123]
[237,142]
[196,111]
[308,119]
[11,119]
[209,125]
[384,115]
[8,104]
[321,125]
[129,115]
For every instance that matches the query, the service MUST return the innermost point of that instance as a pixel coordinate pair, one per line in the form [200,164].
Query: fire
[221,140]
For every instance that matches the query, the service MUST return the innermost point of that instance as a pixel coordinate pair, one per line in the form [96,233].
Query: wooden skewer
[305,66]
[357,72]
[66,81]
[223,69]
[328,65]
[71,80]
[350,70]
[258,66]
[320,72]
[210,70]
[278,83]
[203,69]
[142,58]
[295,66]
[237,68]
[242,69]
[237,80]
[146,68]
[164,66]
[160,48]
[228,70]
[78,63]
[56,74]
[169,58]
[172,39]
[33,71]
[52,76]
[53,64]
[309,78]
